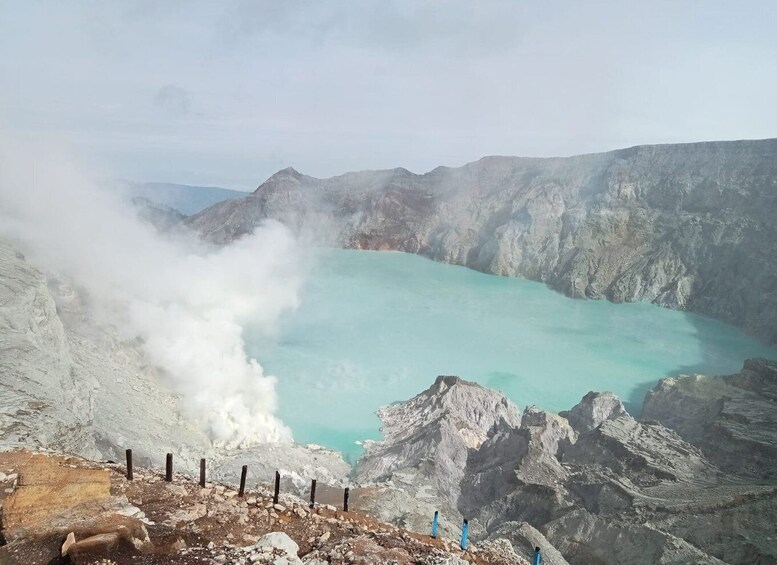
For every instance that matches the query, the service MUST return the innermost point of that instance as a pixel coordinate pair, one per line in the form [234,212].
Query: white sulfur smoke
[187,302]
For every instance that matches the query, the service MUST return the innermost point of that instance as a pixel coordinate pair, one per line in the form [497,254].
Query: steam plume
[185,301]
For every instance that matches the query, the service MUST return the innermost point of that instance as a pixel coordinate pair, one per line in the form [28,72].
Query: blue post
[537,556]
[464,531]
[435,523]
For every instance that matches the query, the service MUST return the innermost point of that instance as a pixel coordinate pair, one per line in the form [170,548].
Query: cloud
[337,86]
[173,99]
[187,303]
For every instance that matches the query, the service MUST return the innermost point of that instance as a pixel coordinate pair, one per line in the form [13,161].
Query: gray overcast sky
[226,93]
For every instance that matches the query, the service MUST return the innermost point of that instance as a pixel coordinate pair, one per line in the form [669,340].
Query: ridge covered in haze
[183,198]
[686,226]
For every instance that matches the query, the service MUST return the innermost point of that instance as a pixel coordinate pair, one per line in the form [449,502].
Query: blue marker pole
[464,531]
[435,523]
[537,556]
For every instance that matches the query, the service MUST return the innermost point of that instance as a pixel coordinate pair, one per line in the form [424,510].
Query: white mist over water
[186,302]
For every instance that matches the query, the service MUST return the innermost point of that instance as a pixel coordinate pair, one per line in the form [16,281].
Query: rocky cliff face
[733,419]
[596,486]
[421,463]
[693,481]
[684,226]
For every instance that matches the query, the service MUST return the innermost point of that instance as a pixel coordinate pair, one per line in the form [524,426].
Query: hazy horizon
[227,94]
[251,188]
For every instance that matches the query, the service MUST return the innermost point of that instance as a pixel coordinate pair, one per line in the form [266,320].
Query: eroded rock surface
[733,419]
[593,409]
[607,489]
[426,446]
[675,225]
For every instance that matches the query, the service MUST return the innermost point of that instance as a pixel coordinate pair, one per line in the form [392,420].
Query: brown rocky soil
[150,521]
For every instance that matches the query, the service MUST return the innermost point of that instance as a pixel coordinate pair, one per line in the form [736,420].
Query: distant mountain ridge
[185,199]
[687,226]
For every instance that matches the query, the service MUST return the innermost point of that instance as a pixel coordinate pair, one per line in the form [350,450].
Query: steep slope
[684,226]
[733,419]
[72,383]
[421,462]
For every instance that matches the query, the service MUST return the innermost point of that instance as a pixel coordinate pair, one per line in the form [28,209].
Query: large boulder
[592,410]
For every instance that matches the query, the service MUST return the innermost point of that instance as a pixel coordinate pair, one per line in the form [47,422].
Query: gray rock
[733,419]
[516,474]
[592,540]
[646,454]
[450,560]
[282,543]
[675,225]
[524,539]
[593,409]
[620,491]
[420,463]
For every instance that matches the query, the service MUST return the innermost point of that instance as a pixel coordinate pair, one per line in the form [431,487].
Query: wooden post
[202,473]
[277,487]
[313,493]
[129,464]
[243,474]
[169,468]
[346,492]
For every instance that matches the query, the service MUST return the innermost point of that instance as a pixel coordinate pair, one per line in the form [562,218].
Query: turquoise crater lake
[374,328]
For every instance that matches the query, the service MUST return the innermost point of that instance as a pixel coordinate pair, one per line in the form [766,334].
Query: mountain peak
[288,171]
[282,176]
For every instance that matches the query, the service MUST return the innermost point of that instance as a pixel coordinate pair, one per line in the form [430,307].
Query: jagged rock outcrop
[733,419]
[645,454]
[613,490]
[427,442]
[516,475]
[595,408]
[685,226]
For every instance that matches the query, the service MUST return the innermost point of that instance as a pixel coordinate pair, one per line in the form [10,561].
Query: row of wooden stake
[241,492]
[243,475]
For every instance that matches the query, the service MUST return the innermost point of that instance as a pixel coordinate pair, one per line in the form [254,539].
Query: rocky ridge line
[686,226]
[594,484]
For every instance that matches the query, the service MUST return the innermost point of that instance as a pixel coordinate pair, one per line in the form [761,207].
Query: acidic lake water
[374,328]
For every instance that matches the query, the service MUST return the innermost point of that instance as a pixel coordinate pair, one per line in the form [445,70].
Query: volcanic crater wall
[689,226]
